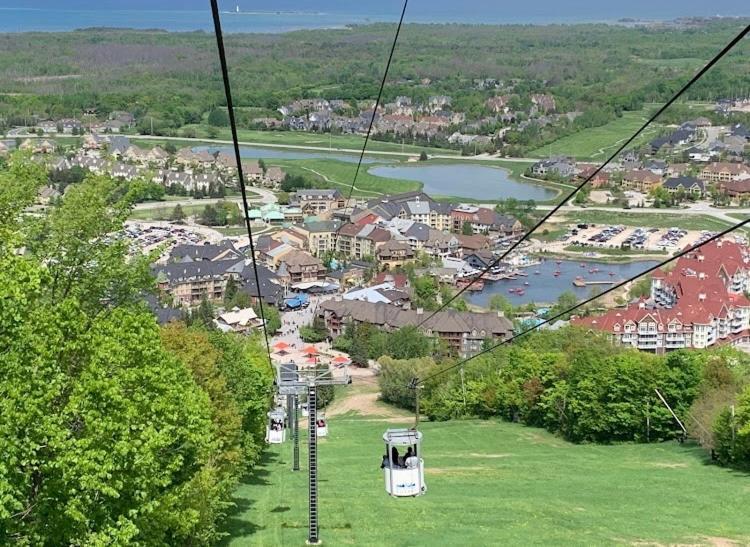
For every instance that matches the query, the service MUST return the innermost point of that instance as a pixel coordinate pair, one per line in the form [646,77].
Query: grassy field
[300,138]
[164,213]
[493,483]
[612,252]
[651,220]
[597,143]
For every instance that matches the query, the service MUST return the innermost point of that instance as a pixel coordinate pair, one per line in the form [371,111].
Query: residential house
[642,180]
[690,185]
[544,103]
[470,244]
[238,320]
[718,172]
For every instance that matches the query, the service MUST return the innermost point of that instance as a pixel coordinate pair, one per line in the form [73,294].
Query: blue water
[466,180]
[286,15]
[257,152]
[545,287]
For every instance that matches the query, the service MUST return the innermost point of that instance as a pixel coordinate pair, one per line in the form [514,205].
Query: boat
[526,283]
[558,262]
[594,270]
[557,273]
[583,264]
[579,282]
[612,273]
[520,292]
[537,272]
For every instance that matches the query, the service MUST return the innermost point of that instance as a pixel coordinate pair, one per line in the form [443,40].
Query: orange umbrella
[340,360]
[312,360]
[310,350]
[281,345]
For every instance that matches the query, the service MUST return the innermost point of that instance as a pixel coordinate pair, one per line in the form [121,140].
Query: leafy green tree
[178,215]
[218,117]
[499,302]
[315,332]
[466,228]
[640,288]
[425,292]
[273,317]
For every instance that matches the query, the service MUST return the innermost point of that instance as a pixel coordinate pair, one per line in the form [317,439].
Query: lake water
[466,180]
[285,15]
[257,152]
[545,287]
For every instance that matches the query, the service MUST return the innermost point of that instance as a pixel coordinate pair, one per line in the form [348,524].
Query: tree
[218,117]
[178,215]
[565,301]
[641,288]
[315,332]
[408,343]
[204,315]
[423,156]
[273,317]
[425,292]
[466,228]
[110,437]
[499,302]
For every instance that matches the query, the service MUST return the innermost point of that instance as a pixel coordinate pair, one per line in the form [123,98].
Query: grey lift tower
[293,382]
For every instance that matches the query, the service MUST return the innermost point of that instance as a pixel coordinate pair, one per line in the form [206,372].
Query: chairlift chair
[276,428]
[322,425]
[403,477]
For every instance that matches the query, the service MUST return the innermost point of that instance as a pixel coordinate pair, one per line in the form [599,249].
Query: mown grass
[612,252]
[493,483]
[598,143]
[164,213]
[322,140]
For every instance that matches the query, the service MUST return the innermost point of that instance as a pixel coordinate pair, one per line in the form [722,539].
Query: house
[239,320]
[469,244]
[359,242]
[224,250]
[463,332]
[252,171]
[739,189]
[274,177]
[483,220]
[272,254]
[294,236]
[398,280]
[314,202]
[689,185]
[124,171]
[561,167]
[480,260]
[498,105]
[189,282]
[386,293]
[300,267]
[47,194]
[544,103]
[642,180]
[718,172]
[393,254]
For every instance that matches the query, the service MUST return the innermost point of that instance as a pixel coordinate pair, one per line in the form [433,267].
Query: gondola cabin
[322,426]
[276,428]
[403,466]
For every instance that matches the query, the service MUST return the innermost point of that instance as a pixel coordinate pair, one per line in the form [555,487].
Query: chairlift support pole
[295,402]
[299,381]
[666,404]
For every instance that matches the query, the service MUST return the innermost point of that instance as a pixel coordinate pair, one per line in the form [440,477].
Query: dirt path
[362,398]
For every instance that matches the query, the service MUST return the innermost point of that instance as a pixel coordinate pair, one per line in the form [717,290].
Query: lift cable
[415,383]
[374,114]
[238,158]
[622,147]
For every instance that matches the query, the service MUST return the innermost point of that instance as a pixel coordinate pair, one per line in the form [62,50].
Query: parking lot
[145,237]
[628,237]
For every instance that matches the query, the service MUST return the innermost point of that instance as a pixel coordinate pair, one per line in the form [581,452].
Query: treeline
[578,385]
[170,80]
[113,431]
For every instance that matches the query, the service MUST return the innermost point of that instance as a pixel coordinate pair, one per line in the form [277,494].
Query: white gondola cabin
[322,425]
[403,471]
[276,428]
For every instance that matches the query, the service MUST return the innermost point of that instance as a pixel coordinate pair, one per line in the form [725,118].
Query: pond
[258,152]
[545,287]
[466,180]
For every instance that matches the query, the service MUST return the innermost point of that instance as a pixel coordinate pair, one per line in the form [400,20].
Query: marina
[546,281]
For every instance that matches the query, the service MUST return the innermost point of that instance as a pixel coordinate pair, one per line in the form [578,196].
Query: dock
[578,282]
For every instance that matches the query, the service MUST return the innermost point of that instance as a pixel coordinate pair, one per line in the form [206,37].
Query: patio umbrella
[340,360]
[310,350]
[280,345]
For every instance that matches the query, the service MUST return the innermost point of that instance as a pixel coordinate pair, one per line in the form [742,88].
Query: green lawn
[612,252]
[598,143]
[649,219]
[493,483]
[164,213]
[300,138]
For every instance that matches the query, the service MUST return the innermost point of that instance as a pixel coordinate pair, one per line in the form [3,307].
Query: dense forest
[174,78]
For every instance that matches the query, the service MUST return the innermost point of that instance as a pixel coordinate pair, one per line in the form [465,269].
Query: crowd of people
[408,461]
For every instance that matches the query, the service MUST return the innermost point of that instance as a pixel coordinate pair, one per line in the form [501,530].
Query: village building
[700,303]
[641,180]
[314,202]
[300,267]
[393,254]
[463,332]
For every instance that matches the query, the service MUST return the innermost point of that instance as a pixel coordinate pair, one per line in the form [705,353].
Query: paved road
[266,196]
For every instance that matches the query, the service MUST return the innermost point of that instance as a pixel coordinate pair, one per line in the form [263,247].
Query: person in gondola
[410,459]
[395,458]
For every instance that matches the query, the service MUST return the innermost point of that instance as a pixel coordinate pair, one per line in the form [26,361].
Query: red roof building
[701,302]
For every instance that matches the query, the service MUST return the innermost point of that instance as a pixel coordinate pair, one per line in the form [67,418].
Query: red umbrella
[341,360]
[310,350]
[312,360]
[281,345]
